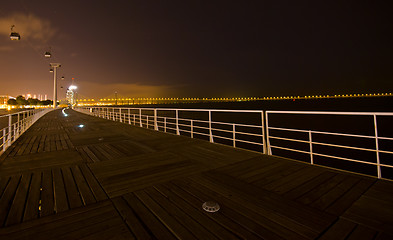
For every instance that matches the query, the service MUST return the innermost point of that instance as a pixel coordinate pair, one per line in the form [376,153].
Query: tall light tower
[55,66]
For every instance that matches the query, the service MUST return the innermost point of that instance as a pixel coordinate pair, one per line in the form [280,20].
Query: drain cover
[211,206]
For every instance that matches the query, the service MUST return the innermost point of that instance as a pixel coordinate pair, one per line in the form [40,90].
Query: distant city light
[81,125]
[72,87]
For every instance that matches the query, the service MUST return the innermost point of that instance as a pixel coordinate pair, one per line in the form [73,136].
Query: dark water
[369,104]
[358,125]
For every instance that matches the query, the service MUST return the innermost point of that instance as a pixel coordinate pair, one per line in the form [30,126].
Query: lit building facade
[70,95]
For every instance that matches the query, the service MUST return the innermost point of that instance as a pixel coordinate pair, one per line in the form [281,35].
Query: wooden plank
[60,196]
[83,154]
[106,153]
[115,232]
[3,184]
[371,212]
[156,227]
[383,236]
[336,193]
[298,218]
[23,146]
[276,174]
[47,143]
[233,215]
[95,225]
[23,140]
[41,147]
[91,155]
[309,186]
[67,138]
[339,231]
[59,147]
[220,227]
[30,145]
[342,204]
[83,188]
[17,207]
[33,200]
[362,233]
[52,142]
[72,193]
[7,198]
[95,187]
[58,225]
[294,180]
[322,189]
[130,218]
[177,221]
[63,141]
[47,194]
[247,168]
[114,152]
[36,143]
[97,152]
[256,173]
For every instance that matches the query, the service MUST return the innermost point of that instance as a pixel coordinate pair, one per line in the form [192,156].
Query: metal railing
[15,124]
[263,133]
[195,123]
[366,143]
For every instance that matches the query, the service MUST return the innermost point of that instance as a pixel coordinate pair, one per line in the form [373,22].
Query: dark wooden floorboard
[110,180]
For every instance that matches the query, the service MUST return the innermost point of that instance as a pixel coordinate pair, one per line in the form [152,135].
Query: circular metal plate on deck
[210,206]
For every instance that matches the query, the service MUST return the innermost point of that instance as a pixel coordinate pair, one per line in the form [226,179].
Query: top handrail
[333,113]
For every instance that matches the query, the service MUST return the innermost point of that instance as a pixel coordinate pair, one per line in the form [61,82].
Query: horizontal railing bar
[333,113]
[244,141]
[345,146]
[289,149]
[346,159]
[319,132]
[289,139]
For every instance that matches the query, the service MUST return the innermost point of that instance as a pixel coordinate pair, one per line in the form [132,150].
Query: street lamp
[55,66]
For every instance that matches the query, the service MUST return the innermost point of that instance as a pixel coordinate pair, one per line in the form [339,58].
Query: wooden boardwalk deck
[110,180]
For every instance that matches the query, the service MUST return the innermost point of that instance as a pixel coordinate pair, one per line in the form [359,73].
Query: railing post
[4,147]
[177,123]
[164,124]
[140,117]
[147,121]
[129,117]
[210,126]
[269,149]
[113,115]
[134,119]
[155,120]
[377,147]
[263,133]
[9,129]
[310,141]
[192,128]
[120,114]
[234,134]
[18,126]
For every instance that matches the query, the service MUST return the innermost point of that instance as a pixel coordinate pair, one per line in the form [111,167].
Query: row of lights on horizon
[240,99]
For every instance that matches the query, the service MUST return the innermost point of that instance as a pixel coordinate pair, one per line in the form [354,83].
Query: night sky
[198,48]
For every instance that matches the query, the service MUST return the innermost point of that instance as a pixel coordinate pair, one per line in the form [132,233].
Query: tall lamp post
[55,66]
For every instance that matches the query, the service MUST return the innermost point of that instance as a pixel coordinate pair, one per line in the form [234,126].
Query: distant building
[4,99]
[70,95]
